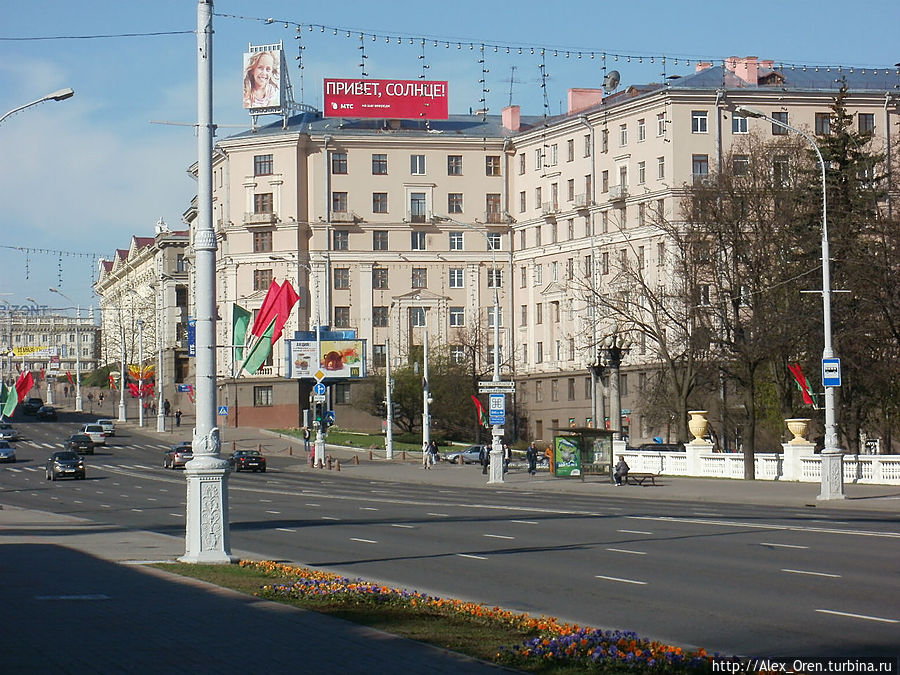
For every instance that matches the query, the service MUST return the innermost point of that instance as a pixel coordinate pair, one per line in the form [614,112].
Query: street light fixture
[60,95]
[78,407]
[615,349]
[832,456]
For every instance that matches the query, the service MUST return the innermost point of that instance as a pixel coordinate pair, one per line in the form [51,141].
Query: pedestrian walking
[426,455]
[178,417]
[507,457]
[433,453]
[531,456]
[621,472]
[484,456]
[66,391]
[100,399]
[166,407]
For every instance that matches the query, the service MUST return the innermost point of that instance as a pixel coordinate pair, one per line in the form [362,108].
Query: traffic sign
[497,409]
[319,375]
[319,398]
[319,389]
[831,372]
[499,387]
[223,411]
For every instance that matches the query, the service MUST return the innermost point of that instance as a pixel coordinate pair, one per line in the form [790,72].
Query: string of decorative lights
[59,255]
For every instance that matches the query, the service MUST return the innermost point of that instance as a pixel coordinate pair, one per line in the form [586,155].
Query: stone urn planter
[799,426]
[698,424]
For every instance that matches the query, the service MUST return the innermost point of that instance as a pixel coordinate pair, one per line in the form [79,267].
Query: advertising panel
[338,359]
[566,456]
[35,352]
[388,99]
[263,87]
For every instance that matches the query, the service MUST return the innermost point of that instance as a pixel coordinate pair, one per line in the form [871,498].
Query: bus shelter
[581,451]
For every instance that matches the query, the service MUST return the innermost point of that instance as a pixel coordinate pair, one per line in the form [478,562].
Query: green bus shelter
[581,451]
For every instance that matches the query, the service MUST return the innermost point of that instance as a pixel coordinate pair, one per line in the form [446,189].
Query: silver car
[108,425]
[7,452]
[8,432]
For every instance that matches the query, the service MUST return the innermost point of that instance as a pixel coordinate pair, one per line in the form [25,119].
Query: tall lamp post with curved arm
[60,95]
[832,456]
[78,407]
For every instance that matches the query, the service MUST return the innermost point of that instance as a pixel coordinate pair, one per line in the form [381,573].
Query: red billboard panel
[388,99]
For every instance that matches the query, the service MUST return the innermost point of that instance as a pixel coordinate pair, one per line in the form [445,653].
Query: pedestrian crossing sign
[223,411]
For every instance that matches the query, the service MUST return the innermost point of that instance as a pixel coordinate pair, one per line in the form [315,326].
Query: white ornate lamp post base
[206,531]
[832,475]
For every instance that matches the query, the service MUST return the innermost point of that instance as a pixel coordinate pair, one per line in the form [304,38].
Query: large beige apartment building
[398,227]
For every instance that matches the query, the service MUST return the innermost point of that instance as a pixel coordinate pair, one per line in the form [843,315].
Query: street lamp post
[122,416]
[615,349]
[140,372]
[78,407]
[60,95]
[832,455]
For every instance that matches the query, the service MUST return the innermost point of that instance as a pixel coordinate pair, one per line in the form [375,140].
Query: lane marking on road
[406,527]
[525,522]
[285,529]
[706,513]
[266,501]
[767,526]
[274,513]
[106,506]
[633,532]
[151,499]
[177,515]
[78,501]
[15,470]
[329,518]
[880,619]
[363,541]
[367,508]
[312,504]
[812,574]
[138,510]
[48,445]
[768,543]
[474,557]
[497,536]
[826,520]
[624,581]
[439,515]
[625,550]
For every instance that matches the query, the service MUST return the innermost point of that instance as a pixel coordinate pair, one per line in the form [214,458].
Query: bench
[640,478]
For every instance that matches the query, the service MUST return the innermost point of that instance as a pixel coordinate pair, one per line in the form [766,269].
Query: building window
[524,315]
[522,202]
[262,242]
[262,279]
[455,202]
[263,203]
[417,207]
[738,124]
[642,173]
[642,130]
[699,122]
[523,281]
[623,135]
[417,165]
[554,389]
[454,165]
[379,202]
[419,277]
[456,241]
[457,354]
[492,165]
[539,354]
[380,317]
[340,240]
[587,145]
[570,150]
[539,313]
[661,124]
[339,202]
[341,393]
[866,123]
[521,163]
[492,208]
[554,157]
[342,278]
[262,396]
[604,182]
[642,214]
[491,311]
[493,241]
[457,316]
[379,165]
[339,162]
[380,240]
[776,129]
[379,356]
[570,190]
[538,159]
[823,124]
[417,317]
[342,317]
[417,241]
[263,165]
[494,277]
[456,277]
[780,170]
[699,166]
[660,168]
[554,311]
[379,277]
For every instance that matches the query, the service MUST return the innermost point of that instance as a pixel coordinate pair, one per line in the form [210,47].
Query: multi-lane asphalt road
[738,579]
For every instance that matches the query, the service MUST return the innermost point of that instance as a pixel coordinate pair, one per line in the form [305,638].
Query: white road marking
[525,522]
[497,536]
[329,518]
[475,557]
[634,532]
[767,526]
[625,550]
[266,501]
[367,508]
[624,581]
[705,513]
[408,527]
[274,513]
[106,506]
[177,515]
[138,510]
[151,499]
[285,529]
[440,515]
[768,543]
[78,501]
[312,504]
[15,470]
[858,616]
[363,541]
[813,574]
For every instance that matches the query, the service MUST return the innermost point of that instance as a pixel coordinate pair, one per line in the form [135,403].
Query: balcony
[618,192]
[344,217]
[260,218]
[583,201]
[549,209]
[494,218]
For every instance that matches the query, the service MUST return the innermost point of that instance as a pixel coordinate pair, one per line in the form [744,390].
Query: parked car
[31,405]
[470,455]
[7,452]
[65,463]
[8,432]
[109,426]
[46,413]
[247,460]
[178,455]
[80,443]
[95,431]
[661,447]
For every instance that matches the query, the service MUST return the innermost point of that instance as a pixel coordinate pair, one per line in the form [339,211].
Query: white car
[108,426]
[96,432]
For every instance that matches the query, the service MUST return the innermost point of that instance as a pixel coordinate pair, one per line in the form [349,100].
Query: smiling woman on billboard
[262,84]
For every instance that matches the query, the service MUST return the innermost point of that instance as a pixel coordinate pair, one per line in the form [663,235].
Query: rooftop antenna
[512,80]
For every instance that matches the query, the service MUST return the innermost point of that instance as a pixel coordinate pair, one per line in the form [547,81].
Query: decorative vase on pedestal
[799,426]
[698,424]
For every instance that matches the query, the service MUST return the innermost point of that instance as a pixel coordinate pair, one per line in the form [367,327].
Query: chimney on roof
[702,65]
[746,68]
[510,117]
[581,98]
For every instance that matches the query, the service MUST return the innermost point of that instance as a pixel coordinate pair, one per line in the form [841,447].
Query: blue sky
[83,175]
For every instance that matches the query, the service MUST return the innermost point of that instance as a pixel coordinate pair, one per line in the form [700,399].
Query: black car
[46,413]
[65,464]
[80,443]
[32,405]
[247,460]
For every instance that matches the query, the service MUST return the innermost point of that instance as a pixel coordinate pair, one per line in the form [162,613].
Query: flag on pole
[259,352]
[240,322]
[69,375]
[112,382]
[23,385]
[479,409]
[808,397]
[284,303]
[265,314]
[10,401]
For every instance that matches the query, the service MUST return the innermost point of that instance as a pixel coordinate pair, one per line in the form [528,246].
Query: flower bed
[548,644]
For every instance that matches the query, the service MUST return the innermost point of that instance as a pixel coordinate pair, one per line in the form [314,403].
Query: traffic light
[382,409]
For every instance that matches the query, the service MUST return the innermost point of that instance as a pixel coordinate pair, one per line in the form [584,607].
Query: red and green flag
[259,352]
[240,322]
[809,398]
[480,411]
